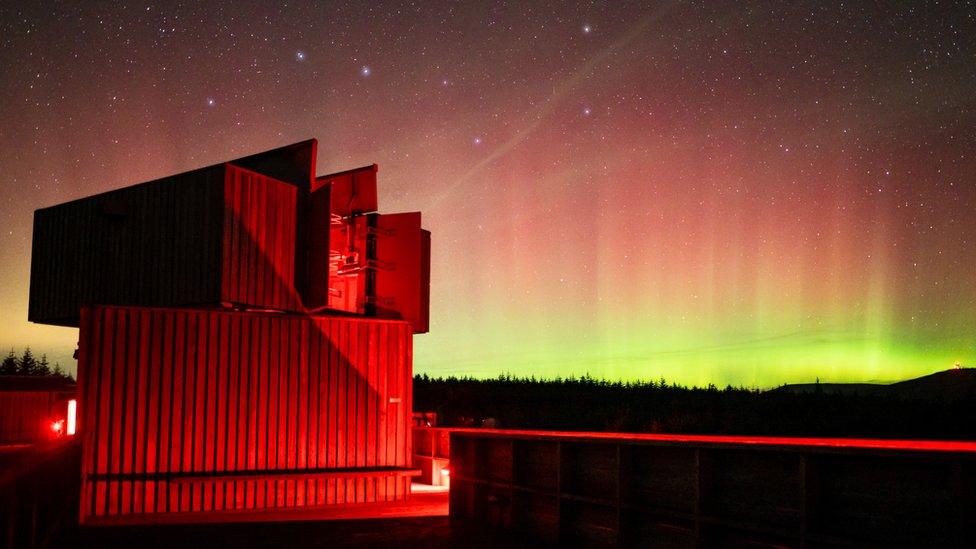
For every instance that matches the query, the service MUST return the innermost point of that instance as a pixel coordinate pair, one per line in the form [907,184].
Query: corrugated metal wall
[196,411]
[26,415]
[215,234]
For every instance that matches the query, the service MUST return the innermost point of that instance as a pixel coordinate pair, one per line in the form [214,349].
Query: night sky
[747,193]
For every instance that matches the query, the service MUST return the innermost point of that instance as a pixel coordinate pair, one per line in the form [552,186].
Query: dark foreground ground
[38,485]
[399,532]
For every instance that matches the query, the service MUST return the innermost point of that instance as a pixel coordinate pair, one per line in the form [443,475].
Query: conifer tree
[8,367]
[28,364]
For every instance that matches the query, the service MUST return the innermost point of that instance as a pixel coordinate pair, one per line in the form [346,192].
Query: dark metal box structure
[222,234]
[188,411]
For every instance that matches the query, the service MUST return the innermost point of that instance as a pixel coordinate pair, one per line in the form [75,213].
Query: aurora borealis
[750,194]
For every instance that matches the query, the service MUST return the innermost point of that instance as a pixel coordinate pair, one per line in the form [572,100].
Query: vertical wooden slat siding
[202,411]
[86,431]
[137,245]
[258,262]
[25,416]
[218,234]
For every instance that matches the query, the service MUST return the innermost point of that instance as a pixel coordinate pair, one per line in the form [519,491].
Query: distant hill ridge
[952,384]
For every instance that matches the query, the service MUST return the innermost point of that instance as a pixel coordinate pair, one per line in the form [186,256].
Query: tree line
[587,404]
[28,365]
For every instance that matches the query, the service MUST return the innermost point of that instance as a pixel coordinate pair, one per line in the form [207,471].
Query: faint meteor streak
[548,106]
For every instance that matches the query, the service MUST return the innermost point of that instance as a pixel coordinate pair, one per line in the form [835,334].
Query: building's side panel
[258,254]
[26,416]
[157,243]
[423,325]
[220,234]
[353,192]
[200,411]
[402,279]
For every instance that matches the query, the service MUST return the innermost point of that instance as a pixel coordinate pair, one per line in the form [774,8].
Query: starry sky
[749,193]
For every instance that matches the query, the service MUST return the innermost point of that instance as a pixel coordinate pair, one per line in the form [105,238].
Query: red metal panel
[383,268]
[26,416]
[258,262]
[403,269]
[200,411]
[353,191]
[423,320]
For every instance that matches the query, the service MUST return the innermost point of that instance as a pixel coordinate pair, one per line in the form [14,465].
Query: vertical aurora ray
[720,277]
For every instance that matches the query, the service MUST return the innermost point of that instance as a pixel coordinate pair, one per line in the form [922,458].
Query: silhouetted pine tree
[43,367]
[27,366]
[9,365]
[61,372]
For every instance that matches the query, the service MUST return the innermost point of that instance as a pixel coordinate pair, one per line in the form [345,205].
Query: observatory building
[245,337]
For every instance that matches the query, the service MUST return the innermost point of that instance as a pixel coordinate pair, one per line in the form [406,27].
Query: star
[211,102]
[477,140]
[299,56]
[587,29]
[586,111]
[365,71]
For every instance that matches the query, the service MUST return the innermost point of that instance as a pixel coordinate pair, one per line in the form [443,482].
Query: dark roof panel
[293,163]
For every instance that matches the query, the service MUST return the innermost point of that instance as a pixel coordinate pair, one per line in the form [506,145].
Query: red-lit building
[245,337]
[36,409]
